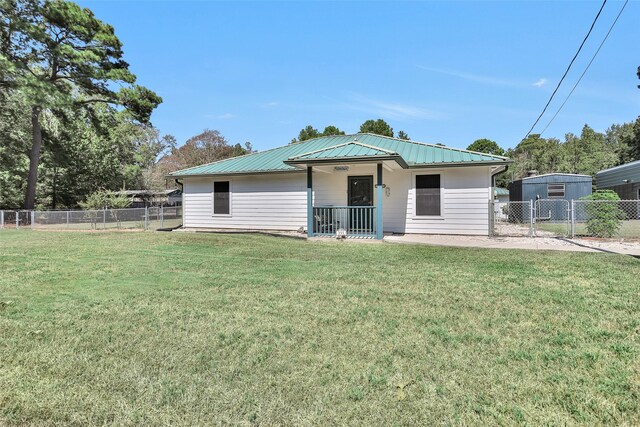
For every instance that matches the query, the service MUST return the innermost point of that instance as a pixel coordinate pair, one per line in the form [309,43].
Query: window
[427,195]
[555,190]
[221,198]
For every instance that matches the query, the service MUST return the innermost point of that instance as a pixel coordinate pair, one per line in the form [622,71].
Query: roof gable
[414,154]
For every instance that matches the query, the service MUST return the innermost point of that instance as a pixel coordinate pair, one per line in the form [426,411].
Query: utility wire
[586,69]
[567,70]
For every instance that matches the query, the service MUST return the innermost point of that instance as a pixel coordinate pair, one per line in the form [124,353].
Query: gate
[552,218]
[513,219]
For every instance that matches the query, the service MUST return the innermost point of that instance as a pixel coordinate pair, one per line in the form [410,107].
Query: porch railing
[348,221]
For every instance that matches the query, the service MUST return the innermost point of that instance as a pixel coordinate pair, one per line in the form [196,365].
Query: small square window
[555,190]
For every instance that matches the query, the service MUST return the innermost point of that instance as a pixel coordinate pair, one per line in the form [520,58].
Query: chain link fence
[511,219]
[609,219]
[15,219]
[153,218]
[552,218]
[606,219]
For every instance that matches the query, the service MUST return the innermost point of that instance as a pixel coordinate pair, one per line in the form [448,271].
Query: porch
[349,203]
[345,221]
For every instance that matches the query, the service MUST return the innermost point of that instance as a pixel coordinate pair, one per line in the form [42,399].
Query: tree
[534,153]
[331,131]
[586,154]
[487,146]
[625,139]
[106,199]
[206,147]
[56,55]
[309,132]
[621,139]
[403,135]
[634,142]
[377,127]
[14,137]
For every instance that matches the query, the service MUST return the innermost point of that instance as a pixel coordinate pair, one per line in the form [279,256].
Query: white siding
[258,202]
[465,195]
[279,202]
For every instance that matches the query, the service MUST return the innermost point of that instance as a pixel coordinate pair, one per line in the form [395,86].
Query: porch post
[309,201]
[379,231]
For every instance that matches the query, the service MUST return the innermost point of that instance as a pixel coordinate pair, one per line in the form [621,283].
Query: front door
[360,194]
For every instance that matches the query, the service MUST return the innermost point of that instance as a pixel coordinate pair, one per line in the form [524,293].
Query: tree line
[586,153]
[65,131]
[378,127]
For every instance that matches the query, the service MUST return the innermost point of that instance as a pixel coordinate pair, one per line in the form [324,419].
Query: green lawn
[195,329]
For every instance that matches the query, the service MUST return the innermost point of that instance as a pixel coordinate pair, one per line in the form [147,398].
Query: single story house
[360,185]
[623,179]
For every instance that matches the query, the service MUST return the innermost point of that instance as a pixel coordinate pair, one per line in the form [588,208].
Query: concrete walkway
[532,243]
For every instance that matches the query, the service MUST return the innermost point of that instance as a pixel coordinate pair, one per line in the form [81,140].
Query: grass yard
[195,329]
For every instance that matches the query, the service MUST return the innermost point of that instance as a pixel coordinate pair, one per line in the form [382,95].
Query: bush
[105,199]
[604,216]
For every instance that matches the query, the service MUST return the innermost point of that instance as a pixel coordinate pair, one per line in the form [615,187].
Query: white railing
[344,221]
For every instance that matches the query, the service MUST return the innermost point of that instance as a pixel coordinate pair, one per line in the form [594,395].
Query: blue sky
[444,72]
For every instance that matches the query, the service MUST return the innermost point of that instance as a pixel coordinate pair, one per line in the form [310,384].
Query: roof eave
[239,173]
[460,164]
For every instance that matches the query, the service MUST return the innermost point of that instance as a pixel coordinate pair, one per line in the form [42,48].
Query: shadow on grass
[596,248]
[251,233]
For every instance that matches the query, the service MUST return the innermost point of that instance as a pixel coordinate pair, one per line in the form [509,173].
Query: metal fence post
[491,218]
[17,219]
[104,219]
[33,220]
[146,218]
[569,215]
[161,216]
[1,219]
[573,219]
[532,212]
[67,219]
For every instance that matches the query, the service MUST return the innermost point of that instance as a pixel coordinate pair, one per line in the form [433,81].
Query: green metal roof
[501,191]
[346,152]
[360,146]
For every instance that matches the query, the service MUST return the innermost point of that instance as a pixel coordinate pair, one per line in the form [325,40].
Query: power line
[568,68]
[588,65]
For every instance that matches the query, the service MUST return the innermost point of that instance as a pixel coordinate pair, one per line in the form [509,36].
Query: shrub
[104,199]
[604,216]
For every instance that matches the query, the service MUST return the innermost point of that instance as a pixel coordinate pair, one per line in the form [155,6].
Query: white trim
[213,198]
[440,172]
